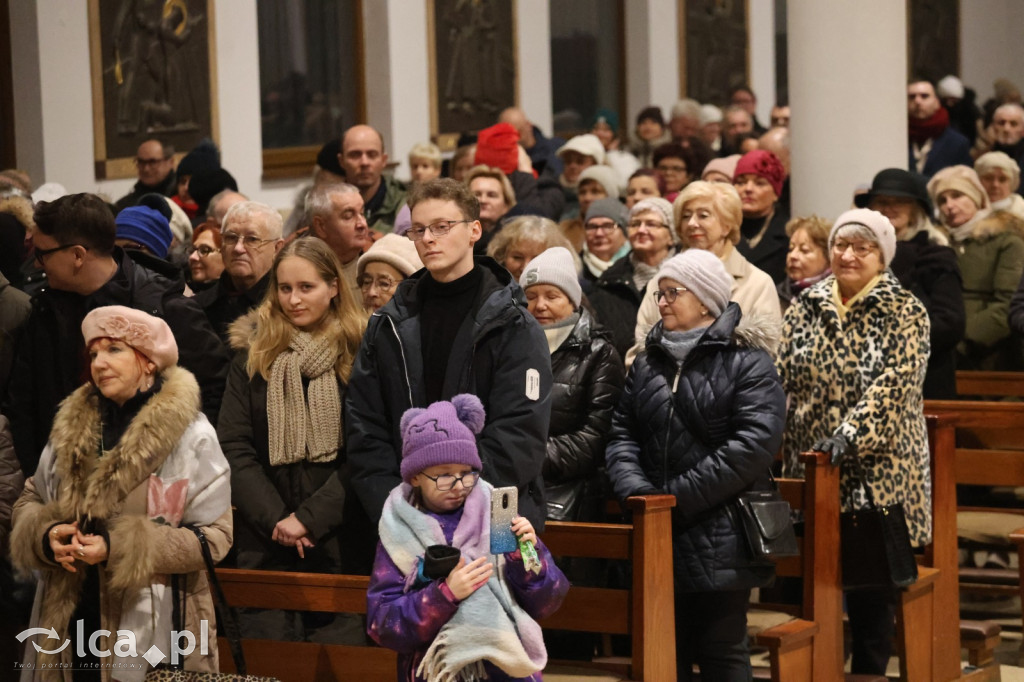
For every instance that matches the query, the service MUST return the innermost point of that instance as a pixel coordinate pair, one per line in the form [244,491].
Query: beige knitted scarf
[304,428]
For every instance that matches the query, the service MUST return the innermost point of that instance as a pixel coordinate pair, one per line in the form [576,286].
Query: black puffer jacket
[704,431]
[617,300]
[588,375]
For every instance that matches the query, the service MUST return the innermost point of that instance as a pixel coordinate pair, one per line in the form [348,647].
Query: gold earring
[703,312]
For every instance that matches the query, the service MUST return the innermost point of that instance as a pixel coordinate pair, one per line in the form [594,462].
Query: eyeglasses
[438,229]
[384,284]
[671,169]
[446,482]
[860,249]
[203,249]
[670,295]
[594,227]
[143,163]
[43,253]
[249,242]
[649,224]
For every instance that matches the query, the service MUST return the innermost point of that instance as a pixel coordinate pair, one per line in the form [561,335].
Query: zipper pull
[675,382]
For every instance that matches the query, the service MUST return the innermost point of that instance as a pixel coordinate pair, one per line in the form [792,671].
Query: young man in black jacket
[459,326]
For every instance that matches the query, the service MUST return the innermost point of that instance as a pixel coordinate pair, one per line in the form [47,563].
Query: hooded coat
[704,430]
[861,376]
[128,490]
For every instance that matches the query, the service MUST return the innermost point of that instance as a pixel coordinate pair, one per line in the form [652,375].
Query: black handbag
[767,523]
[875,542]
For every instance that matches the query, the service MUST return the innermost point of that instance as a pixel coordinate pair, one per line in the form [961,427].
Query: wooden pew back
[1002,384]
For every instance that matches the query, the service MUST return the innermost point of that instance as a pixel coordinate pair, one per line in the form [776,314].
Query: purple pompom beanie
[444,433]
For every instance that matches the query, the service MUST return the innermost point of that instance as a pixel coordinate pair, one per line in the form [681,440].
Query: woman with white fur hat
[588,377]
[853,357]
[701,418]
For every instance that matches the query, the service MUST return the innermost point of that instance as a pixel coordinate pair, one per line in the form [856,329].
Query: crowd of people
[341,388]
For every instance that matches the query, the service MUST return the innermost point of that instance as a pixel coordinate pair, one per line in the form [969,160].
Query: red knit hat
[764,164]
[498,146]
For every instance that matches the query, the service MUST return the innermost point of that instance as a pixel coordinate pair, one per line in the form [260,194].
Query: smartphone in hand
[504,508]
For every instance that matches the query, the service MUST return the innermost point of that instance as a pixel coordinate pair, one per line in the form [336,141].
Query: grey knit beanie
[703,274]
[556,267]
[607,208]
[877,223]
[661,207]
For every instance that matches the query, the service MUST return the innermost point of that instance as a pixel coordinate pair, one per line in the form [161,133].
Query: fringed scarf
[304,427]
[477,632]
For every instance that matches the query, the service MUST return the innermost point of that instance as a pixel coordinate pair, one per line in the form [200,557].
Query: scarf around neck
[964,232]
[304,427]
[558,332]
[489,625]
[924,129]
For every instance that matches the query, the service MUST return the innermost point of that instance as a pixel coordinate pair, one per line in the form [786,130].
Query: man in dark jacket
[460,327]
[1008,127]
[74,244]
[934,144]
[156,173]
[250,238]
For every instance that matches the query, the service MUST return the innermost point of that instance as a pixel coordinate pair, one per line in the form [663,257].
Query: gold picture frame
[153,77]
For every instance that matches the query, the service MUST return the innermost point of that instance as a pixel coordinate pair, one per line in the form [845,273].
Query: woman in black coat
[588,376]
[701,418]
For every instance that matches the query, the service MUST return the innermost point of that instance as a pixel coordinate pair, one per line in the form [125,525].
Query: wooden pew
[991,384]
[645,612]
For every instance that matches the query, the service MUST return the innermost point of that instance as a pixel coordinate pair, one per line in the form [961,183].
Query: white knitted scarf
[304,427]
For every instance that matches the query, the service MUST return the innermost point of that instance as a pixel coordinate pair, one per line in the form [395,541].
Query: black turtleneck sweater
[444,307]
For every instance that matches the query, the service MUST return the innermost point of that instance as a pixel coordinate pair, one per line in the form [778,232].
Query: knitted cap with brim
[703,274]
[878,224]
[556,267]
[398,252]
[443,433]
[962,179]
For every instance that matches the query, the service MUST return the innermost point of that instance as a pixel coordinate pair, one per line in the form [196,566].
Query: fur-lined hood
[756,332]
[242,330]
[21,208]
[996,223]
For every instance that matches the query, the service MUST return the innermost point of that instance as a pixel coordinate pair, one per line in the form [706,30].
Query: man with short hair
[743,97]
[250,238]
[738,121]
[542,150]
[74,244]
[336,216]
[933,144]
[459,327]
[155,164]
[685,121]
[1008,129]
[363,158]
[220,203]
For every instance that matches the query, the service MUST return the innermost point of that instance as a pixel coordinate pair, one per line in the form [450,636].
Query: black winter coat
[704,431]
[51,361]
[588,375]
[930,272]
[770,253]
[263,494]
[616,301]
[500,355]
[223,304]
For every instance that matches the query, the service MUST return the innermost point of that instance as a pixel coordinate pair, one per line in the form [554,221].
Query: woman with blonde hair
[708,216]
[524,238]
[281,423]
[493,190]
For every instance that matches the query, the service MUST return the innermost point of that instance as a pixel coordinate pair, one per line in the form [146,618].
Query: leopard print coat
[862,376]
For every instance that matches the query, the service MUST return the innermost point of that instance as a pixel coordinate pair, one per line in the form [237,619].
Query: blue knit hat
[444,433]
[146,226]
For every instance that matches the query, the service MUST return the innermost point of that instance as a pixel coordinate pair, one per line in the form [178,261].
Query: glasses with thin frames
[384,284]
[606,227]
[203,249]
[670,295]
[43,253]
[249,242]
[860,249]
[144,163]
[438,229]
[446,482]
[649,224]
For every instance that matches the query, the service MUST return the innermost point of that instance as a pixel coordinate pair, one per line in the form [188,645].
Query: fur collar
[242,330]
[96,486]
[996,223]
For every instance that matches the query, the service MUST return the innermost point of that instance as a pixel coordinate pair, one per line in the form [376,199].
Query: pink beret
[762,163]
[147,334]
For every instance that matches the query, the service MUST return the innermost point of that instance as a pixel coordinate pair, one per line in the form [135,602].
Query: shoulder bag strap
[225,614]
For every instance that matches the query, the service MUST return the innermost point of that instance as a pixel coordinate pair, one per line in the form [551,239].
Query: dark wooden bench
[991,384]
[645,612]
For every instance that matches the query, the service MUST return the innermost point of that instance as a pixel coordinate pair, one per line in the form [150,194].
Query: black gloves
[837,446]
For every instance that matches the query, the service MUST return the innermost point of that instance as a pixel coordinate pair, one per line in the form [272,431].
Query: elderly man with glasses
[155,164]
[250,238]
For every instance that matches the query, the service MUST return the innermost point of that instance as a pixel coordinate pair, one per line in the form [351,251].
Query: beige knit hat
[962,179]
[993,160]
[398,252]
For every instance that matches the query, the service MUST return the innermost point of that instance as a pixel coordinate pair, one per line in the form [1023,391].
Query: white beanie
[950,86]
[709,113]
[604,176]
[874,221]
[398,252]
[587,145]
[556,267]
[703,274]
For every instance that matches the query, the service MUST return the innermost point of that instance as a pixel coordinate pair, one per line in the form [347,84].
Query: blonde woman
[493,190]
[524,238]
[281,422]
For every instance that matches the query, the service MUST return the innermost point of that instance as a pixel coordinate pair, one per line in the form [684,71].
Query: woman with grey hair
[1000,175]
[524,238]
[852,359]
[617,293]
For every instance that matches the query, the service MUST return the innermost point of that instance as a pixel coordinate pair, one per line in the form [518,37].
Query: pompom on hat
[878,224]
[147,334]
[765,164]
[443,433]
[703,274]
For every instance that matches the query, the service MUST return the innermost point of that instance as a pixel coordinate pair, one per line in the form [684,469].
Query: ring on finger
[81,551]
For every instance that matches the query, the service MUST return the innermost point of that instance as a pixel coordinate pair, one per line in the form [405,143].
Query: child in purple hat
[478,619]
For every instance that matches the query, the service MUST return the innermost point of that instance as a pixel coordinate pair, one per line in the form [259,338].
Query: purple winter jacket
[409,621]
